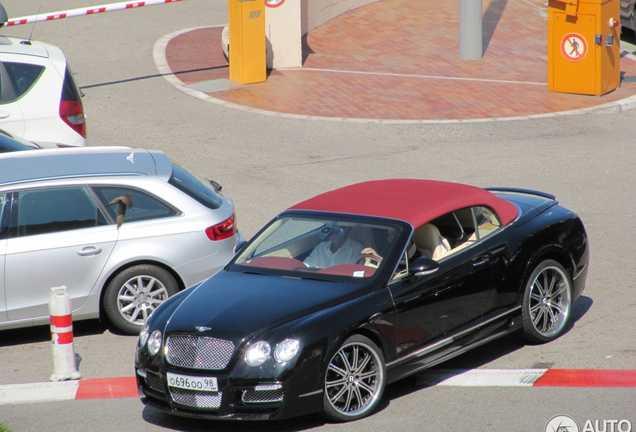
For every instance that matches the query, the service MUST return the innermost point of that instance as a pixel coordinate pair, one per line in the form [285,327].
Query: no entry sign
[274,3]
[573,47]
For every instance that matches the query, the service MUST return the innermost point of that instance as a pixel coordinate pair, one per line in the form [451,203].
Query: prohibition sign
[274,3]
[573,47]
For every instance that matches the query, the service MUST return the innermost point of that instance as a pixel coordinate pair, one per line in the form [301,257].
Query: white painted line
[483,378]
[628,50]
[415,76]
[38,392]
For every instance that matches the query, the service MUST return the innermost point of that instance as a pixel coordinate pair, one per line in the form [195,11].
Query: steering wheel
[369,260]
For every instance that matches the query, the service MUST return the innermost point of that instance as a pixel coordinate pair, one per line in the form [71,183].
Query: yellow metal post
[247,52]
[583,46]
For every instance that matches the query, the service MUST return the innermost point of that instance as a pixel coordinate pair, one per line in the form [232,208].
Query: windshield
[325,248]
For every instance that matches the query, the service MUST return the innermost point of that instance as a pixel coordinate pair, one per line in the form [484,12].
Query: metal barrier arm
[84,11]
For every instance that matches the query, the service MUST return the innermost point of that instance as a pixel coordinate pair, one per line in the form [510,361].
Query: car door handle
[481,261]
[89,251]
[4,114]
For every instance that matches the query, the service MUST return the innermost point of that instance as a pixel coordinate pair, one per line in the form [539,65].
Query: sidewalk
[399,60]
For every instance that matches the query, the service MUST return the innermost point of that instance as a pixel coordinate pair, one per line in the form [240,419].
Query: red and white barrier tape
[85,11]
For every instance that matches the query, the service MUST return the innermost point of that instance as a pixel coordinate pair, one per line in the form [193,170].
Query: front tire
[547,301]
[135,293]
[354,380]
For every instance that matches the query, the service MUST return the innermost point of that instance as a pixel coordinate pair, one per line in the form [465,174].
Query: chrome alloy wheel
[355,380]
[139,296]
[550,301]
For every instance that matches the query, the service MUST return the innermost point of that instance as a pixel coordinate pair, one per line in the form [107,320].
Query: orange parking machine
[583,46]
[247,52]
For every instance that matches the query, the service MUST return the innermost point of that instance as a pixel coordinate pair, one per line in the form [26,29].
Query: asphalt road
[268,163]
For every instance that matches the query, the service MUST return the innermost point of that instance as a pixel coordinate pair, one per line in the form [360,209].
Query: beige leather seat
[430,242]
[362,235]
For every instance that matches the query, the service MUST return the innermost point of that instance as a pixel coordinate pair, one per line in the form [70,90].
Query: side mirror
[423,266]
[239,246]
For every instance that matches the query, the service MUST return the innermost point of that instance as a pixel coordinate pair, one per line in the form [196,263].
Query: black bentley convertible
[359,287]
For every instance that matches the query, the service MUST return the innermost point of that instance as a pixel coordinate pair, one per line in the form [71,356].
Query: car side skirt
[479,333]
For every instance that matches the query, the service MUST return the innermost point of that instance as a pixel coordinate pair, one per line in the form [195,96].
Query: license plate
[193,383]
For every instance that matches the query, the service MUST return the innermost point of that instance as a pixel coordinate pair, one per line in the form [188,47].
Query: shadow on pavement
[476,358]
[42,333]
[167,421]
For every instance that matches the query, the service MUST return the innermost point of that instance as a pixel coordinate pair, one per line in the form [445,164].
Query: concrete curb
[99,388]
[126,387]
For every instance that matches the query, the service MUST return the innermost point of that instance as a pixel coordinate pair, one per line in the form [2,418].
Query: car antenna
[28,42]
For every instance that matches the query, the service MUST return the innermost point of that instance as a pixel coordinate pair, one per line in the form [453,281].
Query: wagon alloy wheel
[547,302]
[135,293]
[354,380]
[139,297]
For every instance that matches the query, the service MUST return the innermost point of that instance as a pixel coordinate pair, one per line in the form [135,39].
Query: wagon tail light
[223,230]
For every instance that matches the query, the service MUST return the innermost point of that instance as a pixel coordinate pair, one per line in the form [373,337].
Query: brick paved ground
[399,59]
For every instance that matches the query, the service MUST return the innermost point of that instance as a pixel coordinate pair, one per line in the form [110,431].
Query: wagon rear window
[198,188]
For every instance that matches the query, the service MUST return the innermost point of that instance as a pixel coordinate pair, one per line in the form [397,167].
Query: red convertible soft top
[411,200]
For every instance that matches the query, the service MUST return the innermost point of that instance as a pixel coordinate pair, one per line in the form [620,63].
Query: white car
[39,99]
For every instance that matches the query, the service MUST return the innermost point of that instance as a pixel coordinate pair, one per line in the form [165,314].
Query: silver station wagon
[123,229]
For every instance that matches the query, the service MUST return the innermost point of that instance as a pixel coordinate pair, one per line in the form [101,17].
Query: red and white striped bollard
[64,366]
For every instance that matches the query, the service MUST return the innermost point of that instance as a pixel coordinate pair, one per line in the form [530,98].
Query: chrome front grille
[196,399]
[199,352]
[154,382]
[262,396]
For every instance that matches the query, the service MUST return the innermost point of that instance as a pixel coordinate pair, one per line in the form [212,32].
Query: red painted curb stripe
[587,378]
[107,388]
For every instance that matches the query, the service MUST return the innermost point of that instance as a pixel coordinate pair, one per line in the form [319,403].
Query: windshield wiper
[309,277]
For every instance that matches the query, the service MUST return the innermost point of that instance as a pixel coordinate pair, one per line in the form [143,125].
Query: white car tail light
[72,113]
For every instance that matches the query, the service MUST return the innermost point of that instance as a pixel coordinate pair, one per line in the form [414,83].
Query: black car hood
[235,306]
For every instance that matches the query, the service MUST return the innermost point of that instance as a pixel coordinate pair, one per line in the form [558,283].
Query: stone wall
[288,23]
[317,12]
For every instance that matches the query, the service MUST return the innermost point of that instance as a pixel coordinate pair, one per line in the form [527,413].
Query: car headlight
[154,342]
[286,350]
[258,353]
[143,335]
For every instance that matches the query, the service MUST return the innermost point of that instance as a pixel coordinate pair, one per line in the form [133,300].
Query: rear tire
[135,293]
[354,380]
[547,301]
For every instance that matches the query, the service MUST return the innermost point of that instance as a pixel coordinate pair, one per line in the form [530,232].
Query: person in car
[338,248]
[411,252]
